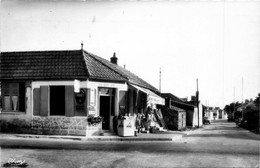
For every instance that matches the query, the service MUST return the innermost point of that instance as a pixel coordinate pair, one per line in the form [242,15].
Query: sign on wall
[76,86]
[92,102]
[80,98]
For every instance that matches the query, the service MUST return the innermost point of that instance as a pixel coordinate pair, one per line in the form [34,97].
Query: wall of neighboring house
[215,114]
[174,119]
[224,114]
[181,122]
[191,113]
[192,116]
[200,115]
[210,114]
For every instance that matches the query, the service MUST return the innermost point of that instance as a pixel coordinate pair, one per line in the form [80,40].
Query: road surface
[221,144]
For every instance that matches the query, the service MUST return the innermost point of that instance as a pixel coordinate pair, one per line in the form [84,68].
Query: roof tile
[67,64]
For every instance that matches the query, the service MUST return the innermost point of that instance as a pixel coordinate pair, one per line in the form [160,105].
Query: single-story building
[174,117]
[59,92]
[192,118]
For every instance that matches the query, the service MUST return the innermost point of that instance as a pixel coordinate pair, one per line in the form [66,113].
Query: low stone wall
[59,125]
[51,126]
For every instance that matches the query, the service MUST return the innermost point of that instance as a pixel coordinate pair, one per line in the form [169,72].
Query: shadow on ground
[217,128]
[226,134]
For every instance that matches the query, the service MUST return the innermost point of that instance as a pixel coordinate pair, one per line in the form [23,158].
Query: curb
[95,138]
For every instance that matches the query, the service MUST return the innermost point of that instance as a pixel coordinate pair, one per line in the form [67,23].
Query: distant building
[215,113]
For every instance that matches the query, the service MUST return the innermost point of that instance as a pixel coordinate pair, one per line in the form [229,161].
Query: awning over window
[152,98]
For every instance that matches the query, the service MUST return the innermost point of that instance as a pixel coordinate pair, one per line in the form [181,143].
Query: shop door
[105,107]
[57,100]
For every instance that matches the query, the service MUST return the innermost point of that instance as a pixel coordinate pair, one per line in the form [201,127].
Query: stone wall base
[77,126]
[59,125]
[58,132]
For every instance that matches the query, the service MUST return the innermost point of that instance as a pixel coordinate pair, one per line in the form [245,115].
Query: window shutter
[122,102]
[44,107]
[36,101]
[69,101]
[88,101]
[122,98]
[22,93]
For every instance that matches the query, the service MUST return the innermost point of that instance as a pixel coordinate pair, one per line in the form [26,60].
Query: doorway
[57,100]
[105,107]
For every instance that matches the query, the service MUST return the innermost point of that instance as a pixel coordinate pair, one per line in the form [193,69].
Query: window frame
[21,97]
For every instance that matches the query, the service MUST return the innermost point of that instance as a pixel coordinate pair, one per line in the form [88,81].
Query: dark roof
[55,65]
[97,70]
[177,109]
[173,97]
[177,102]
[64,65]
[131,77]
[182,105]
[42,65]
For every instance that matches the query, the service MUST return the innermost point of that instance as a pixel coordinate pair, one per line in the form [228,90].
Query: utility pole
[160,72]
[242,100]
[197,98]
[242,90]
[234,102]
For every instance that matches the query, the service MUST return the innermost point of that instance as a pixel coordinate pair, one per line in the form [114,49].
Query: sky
[216,42]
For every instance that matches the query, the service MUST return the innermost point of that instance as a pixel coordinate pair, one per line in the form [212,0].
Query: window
[57,100]
[13,96]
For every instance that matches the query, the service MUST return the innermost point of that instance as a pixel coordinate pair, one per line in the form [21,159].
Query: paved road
[221,144]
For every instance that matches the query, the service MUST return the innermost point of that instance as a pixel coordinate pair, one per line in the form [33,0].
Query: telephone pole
[234,100]
[197,98]
[160,74]
[242,90]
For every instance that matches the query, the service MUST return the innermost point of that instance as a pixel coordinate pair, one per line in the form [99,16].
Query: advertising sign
[92,102]
[80,100]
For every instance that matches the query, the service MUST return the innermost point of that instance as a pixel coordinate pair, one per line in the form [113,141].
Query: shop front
[142,113]
[104,100]
[58,109]
[152,99]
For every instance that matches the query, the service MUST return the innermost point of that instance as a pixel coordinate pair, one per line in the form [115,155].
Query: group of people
[142,121]
[146,120]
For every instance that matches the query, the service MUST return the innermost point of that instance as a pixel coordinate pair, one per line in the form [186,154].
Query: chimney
[82,45]
[113,59]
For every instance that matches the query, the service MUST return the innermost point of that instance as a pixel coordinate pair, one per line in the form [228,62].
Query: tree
[230,108]
[251,114]
[257,100]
